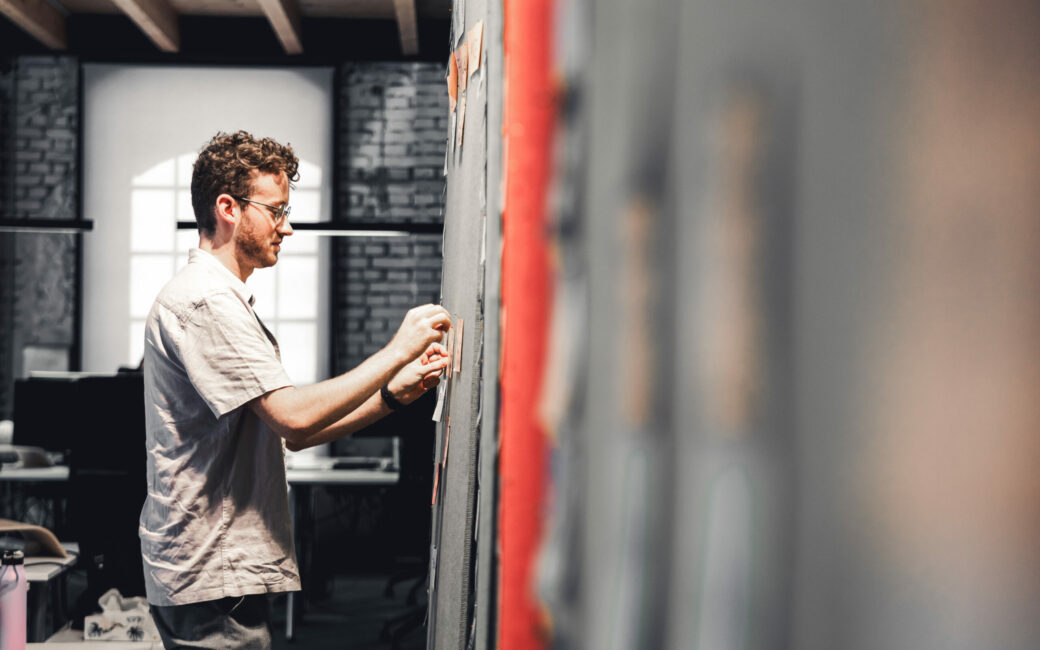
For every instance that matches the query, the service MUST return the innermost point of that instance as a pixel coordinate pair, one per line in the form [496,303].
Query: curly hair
[225,166]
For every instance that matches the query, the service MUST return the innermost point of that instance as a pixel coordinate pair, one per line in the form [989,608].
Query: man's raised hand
[421,326]
[420,375]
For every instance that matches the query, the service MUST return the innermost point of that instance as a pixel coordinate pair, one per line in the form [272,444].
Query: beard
[256,248]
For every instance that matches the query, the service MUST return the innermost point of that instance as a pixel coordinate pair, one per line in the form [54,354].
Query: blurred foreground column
[951,483]
[528,119]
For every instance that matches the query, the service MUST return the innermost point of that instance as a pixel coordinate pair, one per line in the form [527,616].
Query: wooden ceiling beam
[284,16]
[407,25]
[39,19]
[157,19]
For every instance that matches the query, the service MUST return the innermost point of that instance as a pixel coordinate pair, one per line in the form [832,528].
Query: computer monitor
[44,412]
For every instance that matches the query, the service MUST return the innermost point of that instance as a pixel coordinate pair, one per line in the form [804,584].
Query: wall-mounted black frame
[32,224]
[354,229]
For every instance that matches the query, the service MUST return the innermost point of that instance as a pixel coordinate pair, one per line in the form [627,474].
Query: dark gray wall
[379,279]
[7,295]
[462,604]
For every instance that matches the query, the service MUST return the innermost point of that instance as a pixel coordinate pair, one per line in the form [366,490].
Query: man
[220,410]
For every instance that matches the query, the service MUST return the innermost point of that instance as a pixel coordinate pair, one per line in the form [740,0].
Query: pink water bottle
[13,593]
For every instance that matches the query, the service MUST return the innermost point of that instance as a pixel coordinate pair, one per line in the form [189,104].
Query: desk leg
[302,509]
[37,631]
[289,610]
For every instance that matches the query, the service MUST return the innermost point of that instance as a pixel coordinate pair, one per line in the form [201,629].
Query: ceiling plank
[39,19]
[407,25]
[157,19]
[284,16]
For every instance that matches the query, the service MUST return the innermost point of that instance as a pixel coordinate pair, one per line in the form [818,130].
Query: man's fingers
[427,384]
[436,349]
[431,311]
[438,316]
[435,367]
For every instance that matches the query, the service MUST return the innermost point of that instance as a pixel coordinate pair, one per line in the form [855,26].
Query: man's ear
[226,210]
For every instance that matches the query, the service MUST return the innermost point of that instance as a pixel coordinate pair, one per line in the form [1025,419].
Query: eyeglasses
[279,214]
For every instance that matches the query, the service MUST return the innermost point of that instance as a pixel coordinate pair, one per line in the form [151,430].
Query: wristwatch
[388,399]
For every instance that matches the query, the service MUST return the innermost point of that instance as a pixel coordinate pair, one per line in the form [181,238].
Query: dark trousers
[235,623]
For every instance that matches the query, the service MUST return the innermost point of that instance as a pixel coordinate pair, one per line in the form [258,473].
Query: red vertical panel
[528,121]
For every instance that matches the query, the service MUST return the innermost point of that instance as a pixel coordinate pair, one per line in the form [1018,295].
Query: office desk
[41,572]
[295,476]
[73,639]
[21,486]
[41,474]
[301,483]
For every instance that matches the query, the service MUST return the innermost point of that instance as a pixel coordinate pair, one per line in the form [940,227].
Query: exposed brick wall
[6,133]
[46,122]
[393,134]
[383,278]
[7,249]
[41,181]
[393,130]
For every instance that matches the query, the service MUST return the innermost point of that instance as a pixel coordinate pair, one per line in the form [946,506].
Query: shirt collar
[207,259]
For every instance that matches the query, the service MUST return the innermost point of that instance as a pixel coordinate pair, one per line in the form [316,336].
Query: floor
[352,617]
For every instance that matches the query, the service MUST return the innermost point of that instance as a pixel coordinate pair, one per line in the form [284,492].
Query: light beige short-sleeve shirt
[216,519]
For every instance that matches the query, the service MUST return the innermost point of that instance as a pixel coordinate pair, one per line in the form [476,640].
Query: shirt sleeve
[228,357]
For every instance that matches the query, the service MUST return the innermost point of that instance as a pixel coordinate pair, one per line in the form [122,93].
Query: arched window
[142,128]
[287,295]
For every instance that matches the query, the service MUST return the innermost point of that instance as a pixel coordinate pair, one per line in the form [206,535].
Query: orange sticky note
[450,346]
[453,82]
[436,481]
